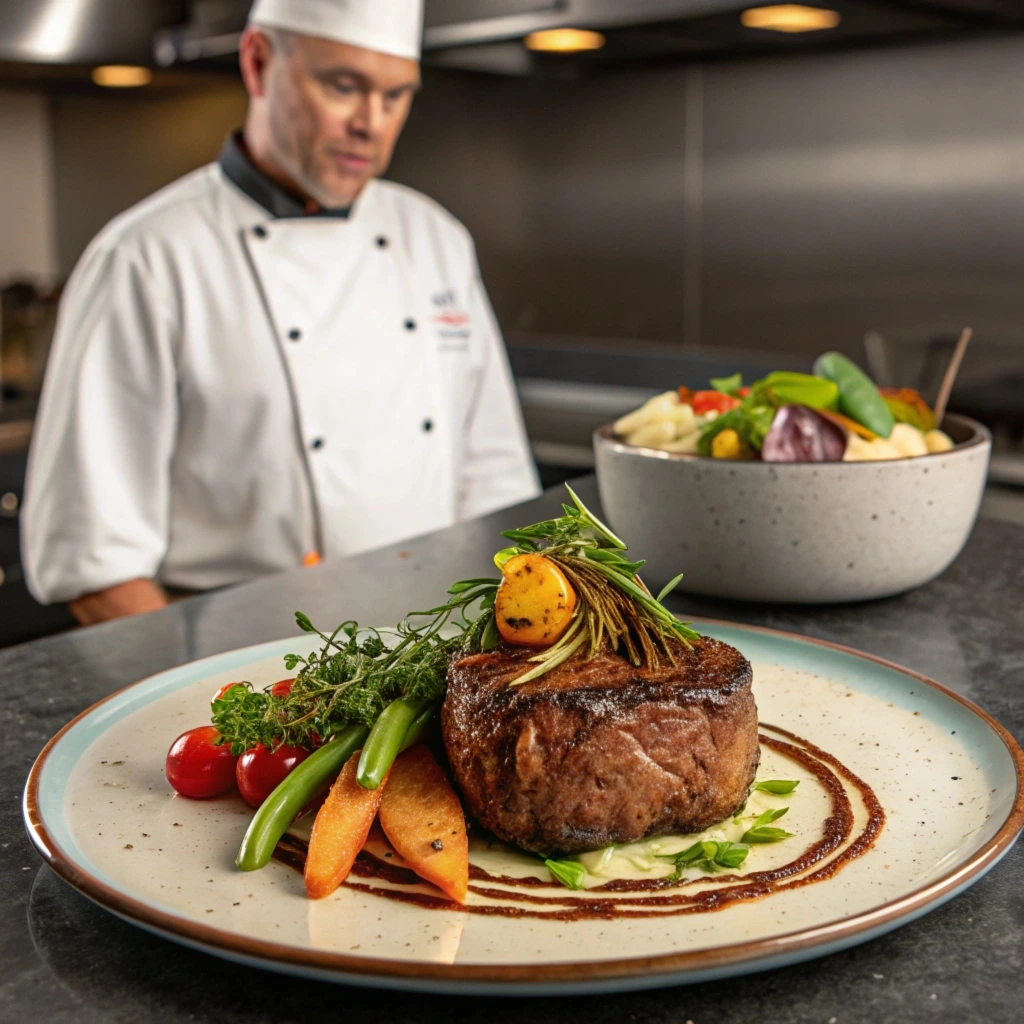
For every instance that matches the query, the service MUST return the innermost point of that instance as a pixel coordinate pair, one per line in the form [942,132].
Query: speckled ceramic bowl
[799,532]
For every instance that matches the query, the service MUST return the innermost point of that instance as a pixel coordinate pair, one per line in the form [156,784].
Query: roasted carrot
[425,823]
[339,831]
[847,424]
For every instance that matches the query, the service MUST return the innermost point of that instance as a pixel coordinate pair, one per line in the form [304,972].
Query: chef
[278,357]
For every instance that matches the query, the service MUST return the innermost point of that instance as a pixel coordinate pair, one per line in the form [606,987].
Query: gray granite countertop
[64,959]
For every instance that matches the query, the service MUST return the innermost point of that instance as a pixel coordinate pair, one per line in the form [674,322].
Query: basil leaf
[570,873]
[778,787]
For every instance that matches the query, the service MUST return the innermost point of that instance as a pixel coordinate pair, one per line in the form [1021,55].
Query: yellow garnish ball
[535,602]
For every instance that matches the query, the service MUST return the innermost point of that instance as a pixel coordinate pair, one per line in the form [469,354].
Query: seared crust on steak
[598,751]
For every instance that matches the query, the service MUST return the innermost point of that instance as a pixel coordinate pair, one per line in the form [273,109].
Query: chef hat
[388,26]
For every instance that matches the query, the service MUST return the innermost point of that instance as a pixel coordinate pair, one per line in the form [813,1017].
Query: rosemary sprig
[616,610]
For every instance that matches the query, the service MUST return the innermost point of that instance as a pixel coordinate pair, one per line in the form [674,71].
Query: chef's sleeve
[97,493]
[498,468]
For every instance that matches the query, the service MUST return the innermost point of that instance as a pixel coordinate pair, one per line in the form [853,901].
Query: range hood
[486,35]
[84,31]
[478,34]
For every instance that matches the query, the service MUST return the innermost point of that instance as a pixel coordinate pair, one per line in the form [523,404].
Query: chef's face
[331,112]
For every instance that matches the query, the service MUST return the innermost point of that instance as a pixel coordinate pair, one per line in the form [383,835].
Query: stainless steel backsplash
[786,204]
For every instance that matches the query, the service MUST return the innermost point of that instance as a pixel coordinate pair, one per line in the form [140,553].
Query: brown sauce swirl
[563,905]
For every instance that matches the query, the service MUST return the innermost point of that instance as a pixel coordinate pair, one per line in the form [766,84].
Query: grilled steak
[597,751]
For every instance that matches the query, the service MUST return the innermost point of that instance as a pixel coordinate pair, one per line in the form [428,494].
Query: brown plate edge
[669,963]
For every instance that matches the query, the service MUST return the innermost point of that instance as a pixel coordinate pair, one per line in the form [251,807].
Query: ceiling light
[121,76]
[790,18]
[564,40]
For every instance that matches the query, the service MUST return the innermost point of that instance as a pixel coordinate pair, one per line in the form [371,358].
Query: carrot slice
[847,424]
[339,831]
[424,822]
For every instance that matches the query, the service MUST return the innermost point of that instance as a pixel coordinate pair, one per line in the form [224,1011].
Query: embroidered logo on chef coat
[451,322]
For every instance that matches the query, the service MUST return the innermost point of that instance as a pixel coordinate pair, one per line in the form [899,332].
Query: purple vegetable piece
[799,434]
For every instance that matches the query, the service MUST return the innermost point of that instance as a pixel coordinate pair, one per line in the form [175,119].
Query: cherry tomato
[283,688]
[197,767]
[712,401]
[224,689]
[260,771]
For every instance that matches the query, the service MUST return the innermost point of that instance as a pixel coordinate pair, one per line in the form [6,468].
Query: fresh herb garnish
[761,831]
[777,787]
[728,385]
[615,607]
[357,673]
[571,873]
[752,420]
[708,855]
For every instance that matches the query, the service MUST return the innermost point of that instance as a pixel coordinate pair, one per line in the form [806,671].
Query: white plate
[946,775]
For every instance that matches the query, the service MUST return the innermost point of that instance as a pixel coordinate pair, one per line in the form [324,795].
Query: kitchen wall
[114,148]
[27,210]
[785,203]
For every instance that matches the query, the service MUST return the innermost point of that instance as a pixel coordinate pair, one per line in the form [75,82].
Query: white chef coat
[228,390]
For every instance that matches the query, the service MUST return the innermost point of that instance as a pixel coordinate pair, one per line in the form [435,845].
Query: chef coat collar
[239,169]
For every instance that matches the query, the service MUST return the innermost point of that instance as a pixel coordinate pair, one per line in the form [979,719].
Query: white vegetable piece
[660,407]
[654,433]
[938,441]
[686,421]
[860,450]
[908,440]
[683,445]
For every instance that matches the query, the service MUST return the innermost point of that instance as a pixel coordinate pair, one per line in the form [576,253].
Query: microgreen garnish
[571,873]
[761,831]
[708,855]
[777,787]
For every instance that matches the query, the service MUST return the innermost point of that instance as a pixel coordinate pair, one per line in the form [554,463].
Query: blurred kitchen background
[695,186]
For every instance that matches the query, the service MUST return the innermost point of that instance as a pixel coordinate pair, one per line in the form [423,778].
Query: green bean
[279,810]
[419,726]
[385,740]
[858,397]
